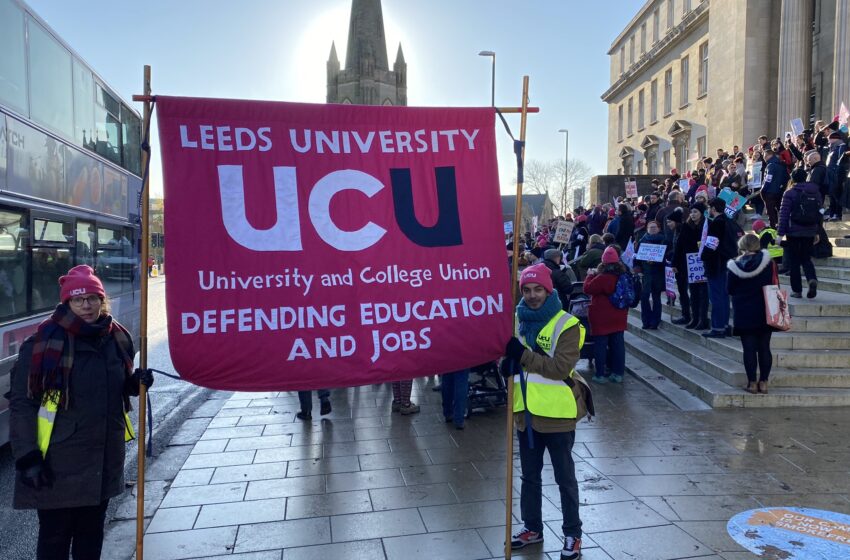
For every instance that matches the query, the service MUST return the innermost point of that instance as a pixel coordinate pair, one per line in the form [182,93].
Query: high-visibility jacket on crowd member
[773,248]
[546,397]
[47,417]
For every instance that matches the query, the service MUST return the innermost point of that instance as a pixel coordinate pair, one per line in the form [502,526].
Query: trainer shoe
[409,408]
[681,321]
[813,289]
[396,406]
[600,380]
[572,548]
[304,415]
[616,378]
[326,407]
[525,538]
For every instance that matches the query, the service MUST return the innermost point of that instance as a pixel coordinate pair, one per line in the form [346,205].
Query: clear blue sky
[276,50]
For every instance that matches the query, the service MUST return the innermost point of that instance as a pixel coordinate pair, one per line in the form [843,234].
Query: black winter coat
[687,241]
[86,451]
[746,276]
[713,260]
[561,282]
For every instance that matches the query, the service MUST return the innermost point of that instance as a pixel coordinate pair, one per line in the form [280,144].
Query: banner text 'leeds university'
[315,246]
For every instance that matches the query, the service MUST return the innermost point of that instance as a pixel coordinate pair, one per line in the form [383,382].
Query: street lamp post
[566,170]
[492,76]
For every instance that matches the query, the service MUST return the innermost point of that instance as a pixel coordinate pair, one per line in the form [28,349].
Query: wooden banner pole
[143,325]
[509,422]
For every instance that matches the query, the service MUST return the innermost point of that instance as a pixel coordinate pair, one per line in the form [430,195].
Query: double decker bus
[70,165]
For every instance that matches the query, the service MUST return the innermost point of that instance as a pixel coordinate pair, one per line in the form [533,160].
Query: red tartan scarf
[53,351]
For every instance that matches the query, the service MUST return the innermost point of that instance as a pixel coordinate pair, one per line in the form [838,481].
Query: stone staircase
[811,362]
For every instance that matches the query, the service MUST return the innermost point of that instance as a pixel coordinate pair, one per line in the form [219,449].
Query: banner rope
[146,147]
[519,146]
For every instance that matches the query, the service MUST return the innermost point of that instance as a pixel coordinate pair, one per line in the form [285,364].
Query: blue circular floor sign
[785,533]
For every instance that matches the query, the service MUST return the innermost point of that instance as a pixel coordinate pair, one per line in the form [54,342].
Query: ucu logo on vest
[285,234]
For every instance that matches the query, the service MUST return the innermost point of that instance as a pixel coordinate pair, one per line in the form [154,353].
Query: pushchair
[579,307]
[488,389]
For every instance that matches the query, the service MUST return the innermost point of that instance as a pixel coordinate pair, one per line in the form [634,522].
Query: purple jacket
[786,226]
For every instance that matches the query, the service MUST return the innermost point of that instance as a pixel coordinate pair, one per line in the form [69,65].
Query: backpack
[627,292]
[806,209]
[729,246]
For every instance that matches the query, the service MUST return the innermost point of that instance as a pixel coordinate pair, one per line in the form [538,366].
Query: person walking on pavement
[799,220]
[748,274]
[720,246]
[305,398]
[70,394]
[549,399]
[607,323]
[401,397]
[455,390]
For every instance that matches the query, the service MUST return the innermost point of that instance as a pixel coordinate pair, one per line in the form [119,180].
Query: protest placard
[670,282]
[754,181]
[628,256]
[308,250]
[563,231]
[734,202]
[696,270]
[684,185]
[631,188]
[509,227]
[652,252]
[797,126]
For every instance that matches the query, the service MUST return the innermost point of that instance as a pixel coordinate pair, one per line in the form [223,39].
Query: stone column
[841,65]
[795,63]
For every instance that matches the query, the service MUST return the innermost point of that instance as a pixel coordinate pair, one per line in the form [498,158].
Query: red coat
[604,317]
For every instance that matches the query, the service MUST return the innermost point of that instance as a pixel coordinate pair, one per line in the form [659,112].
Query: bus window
[83,105]
[84,246]
[115,260]
[50,81]
[108,133]
[13,64]
[51,258]
[132,150]
[13,262]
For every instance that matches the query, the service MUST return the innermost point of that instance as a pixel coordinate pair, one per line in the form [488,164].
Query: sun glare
[308,60]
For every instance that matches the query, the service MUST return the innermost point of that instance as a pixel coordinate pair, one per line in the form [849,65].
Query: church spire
[367,46]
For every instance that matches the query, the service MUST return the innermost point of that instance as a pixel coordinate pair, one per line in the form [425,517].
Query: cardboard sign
[755,170]
[792,532]
[324,245]
[669,282]
[631,189]
[696,270]
[652,252]
[843,115]
[563,231]
[734,202]
[509,227]
[797,126]
[628,256]
[684,185]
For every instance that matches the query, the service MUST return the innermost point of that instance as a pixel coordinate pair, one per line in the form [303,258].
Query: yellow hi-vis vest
[774,249]
[551,398]
[47,416]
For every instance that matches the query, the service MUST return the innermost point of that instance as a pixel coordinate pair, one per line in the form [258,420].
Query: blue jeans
[650,308]
[719,298]
[306,399]
[560,446]
[455,389]
[615,345]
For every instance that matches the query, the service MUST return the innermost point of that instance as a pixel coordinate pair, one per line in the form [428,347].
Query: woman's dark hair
[608,238]
[611,268]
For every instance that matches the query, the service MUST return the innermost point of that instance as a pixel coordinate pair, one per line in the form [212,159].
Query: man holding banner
[549,399]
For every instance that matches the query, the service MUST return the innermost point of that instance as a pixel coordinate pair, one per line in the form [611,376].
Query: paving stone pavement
[656,483]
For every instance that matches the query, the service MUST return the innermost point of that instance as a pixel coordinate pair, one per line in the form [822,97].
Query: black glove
[34,473]
[140,376]
[506,368]
[514,349]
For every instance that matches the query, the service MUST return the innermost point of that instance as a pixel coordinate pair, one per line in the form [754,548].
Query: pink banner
[319,246]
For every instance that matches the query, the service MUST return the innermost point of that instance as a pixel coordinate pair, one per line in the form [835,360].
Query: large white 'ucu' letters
[285,234]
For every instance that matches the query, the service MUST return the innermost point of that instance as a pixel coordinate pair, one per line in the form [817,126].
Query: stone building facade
[690,76]
[366,78]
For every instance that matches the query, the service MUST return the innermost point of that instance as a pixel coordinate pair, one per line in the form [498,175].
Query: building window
[666,159]
[686,6]
[627,165]
[653,101]
[642,38]
[681,143]
[620,123]
[669,14]
[641,125]
[631,50]
[656,24]
[683,85]
[622,60]
[651,158]
[631,113]
[668,91]
[703,69]
[701,146]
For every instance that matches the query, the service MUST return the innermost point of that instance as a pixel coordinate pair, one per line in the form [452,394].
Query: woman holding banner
[69,401]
